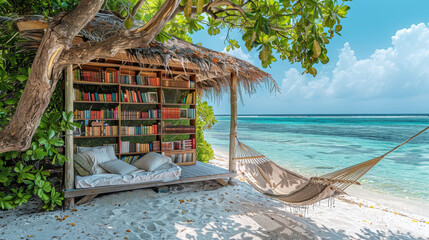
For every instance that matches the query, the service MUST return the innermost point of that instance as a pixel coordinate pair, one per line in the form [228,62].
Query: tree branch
[137,7]
[17,135]
[139,38]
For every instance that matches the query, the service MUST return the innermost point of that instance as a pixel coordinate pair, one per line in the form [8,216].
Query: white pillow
[151,161]
[97,156]
[109,149]
[118,167]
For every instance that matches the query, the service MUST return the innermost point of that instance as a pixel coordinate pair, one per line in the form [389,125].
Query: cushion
[110,150]
[97,156]
[118,167]
[82,165]
[151,161]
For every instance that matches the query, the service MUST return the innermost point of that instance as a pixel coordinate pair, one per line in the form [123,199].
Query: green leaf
[265,53]
[128,23]
[57,142]
[11,101]
[200,5]
[188,9]
[316,48]
[21,78]
[338,28]
[51,133]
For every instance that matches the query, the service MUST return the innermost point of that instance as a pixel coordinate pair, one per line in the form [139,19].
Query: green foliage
[26,174]
[205,121]
[293,30]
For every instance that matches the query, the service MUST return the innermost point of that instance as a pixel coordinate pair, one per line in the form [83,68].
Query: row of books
[97,97]
[129,147]
[178,113]
[101,131]
[182,157]
[188,99]
[107,76]
[139,97]
[179,145]
[179,129]
[152,113]
[140,80]
[92,114]
[140,130]
[130,159]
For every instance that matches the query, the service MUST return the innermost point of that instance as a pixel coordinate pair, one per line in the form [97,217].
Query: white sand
[207,211]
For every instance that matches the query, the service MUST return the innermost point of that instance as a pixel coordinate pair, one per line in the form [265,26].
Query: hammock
[296,190]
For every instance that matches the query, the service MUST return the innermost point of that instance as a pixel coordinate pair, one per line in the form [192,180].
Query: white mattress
[165,173]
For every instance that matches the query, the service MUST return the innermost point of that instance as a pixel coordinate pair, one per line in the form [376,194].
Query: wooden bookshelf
[111,78]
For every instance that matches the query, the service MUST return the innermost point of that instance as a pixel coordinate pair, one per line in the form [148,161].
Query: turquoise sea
[318,144]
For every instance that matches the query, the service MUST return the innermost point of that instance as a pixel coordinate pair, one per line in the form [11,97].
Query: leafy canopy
[293,30]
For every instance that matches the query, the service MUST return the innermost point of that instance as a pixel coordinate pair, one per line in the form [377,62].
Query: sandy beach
[209,211]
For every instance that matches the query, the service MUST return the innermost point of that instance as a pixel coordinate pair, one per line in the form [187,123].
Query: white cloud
[400,71]
[238,53]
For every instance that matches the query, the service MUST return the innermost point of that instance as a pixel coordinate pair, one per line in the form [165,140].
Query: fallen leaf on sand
[73,224]
[413,220]
[371,206]
[300,215]
[144,212]
[143,218]
[125,237]
[128,230]
[181,201]
[30,235]
[74,210]
[189,221]
[210,198]
[395,213]
[231,202]
[183,212]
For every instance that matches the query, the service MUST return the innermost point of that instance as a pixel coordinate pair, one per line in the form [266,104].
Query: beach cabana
[172,64]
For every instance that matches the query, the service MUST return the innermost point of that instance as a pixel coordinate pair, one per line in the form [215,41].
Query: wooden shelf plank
[180,88]
[139,103]
[180,151]
[176,104]
[95,83]
[178,119]
[141,135]
[138,86]
[106,119]
[113,136]
[138,119]
[98,102]
[179,133]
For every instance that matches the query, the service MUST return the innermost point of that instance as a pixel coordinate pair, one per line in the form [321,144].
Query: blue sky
[378,65]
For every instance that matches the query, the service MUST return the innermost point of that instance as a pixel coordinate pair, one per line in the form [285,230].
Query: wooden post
[233,124]
[69,170]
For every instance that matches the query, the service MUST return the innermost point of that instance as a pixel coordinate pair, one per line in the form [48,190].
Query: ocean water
[314,145]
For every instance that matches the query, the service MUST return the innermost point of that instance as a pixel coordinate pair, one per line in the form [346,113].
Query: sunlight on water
[315,145]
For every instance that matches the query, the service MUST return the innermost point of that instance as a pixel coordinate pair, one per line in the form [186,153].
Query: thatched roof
[213,68]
